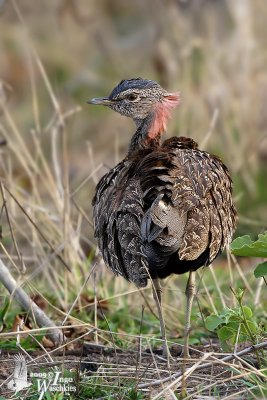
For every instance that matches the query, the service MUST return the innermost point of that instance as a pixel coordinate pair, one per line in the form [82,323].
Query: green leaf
[239,293]
[228,314]
[233,327]
[212,322]
[244,246]
[225,333]
[261,270]
[225,347]
[253,326]
[241,241]
[247,311]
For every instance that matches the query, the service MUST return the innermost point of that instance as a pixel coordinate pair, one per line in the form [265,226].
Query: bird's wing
[188,204]
[118,211]
[20,372]
[162,226]
[207,195]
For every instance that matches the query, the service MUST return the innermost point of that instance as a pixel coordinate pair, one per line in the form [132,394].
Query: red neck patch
[162,114]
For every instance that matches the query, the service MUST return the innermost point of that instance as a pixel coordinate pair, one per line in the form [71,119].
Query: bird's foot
[185,353]
[167,354]
[185,356]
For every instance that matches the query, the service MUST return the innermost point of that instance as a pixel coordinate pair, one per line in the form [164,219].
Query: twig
[230,357]
[187,373]
[28,305]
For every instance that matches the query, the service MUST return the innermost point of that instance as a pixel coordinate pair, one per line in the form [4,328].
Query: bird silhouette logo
[19,379]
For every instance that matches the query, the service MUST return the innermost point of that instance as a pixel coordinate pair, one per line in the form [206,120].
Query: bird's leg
[190,293]
[157,297]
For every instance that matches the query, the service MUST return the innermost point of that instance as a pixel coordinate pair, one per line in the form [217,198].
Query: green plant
[238,325]
[233,325]
[245,246]
[96,387]
[257,386]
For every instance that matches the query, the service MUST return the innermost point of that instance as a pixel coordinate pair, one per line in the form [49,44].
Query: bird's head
[139,98]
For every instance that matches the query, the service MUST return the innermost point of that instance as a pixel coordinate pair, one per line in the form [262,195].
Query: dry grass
[49,169]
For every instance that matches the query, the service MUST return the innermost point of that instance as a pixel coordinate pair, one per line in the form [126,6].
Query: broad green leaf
[234,318]
[226,314]
[233,326]
[193,341]
[227,311]
[213,321]
[243,331]
[244,246]
[243,337]
[261,270]
[225,346]
[225,333]
[241,241]
[247,311]
[253,326]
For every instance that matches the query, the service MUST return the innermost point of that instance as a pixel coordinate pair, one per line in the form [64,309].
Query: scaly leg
[190,293]
[157,297]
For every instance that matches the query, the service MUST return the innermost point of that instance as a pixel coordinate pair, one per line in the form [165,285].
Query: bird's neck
[142,137]
[150,129]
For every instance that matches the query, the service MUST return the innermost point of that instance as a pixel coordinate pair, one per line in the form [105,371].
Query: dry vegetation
[56,54]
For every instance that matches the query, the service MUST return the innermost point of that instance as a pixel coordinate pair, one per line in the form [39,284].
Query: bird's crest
[133,83]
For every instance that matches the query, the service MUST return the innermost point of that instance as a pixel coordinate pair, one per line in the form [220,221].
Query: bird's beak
[104,101]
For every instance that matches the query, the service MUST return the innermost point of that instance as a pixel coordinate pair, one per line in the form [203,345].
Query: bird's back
[165,209]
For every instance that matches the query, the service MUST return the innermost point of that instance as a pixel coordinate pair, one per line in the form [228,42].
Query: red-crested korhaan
[167,207]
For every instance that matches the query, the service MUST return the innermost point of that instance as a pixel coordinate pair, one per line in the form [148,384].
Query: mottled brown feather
[172,200]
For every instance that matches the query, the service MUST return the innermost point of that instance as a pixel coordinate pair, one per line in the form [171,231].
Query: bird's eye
[132,97]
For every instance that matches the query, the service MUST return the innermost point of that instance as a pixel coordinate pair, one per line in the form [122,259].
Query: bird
[167,207]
